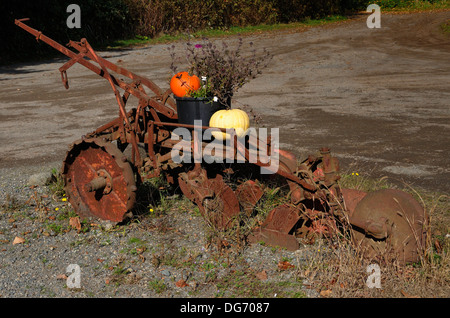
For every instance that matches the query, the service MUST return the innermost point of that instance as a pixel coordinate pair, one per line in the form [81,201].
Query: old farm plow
[101,181]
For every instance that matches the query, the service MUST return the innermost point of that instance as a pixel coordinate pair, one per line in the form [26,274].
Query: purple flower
[198,46]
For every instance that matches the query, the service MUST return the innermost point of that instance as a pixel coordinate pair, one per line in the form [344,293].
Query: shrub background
[103,21]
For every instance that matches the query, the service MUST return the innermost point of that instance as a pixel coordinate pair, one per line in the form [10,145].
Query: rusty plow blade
[387,223]
[276,228]
[215,199]
[248,194]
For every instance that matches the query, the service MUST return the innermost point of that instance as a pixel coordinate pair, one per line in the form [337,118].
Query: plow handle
[42,37]
[79,58]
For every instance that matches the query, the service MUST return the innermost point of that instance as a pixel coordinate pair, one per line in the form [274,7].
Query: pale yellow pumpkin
[229,118]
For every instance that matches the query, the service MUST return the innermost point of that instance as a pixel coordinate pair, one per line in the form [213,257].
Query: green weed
[157,285]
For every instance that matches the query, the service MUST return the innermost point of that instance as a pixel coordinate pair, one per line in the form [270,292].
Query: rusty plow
[101,181]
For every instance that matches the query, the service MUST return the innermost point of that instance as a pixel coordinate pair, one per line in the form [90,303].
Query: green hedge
[391,4]
[103,21]
[151,17]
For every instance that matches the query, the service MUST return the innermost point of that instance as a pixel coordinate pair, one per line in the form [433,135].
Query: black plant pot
[190,109]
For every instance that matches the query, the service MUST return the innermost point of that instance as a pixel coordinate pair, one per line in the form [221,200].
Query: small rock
[311,293]
[40,179]
[193,284]
[165,272]
[107,225]
[185,275]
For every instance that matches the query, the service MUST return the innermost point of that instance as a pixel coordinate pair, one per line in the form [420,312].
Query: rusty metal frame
[151,124]
[160,103]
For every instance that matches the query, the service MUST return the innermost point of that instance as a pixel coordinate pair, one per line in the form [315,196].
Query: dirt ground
[379,98]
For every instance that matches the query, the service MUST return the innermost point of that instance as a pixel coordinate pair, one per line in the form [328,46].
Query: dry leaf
[438,246]
[408,295]
[181,283]
[61,276]
[75,223]
[261,275]
[140,250]
[283,265]
[142,258]
[18,240]
[325,293]
[333,281]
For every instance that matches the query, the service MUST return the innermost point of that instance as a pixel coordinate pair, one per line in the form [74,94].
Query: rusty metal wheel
[390,224]
[99,181]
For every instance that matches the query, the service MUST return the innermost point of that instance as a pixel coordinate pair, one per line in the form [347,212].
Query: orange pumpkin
[182,84]
[195,82]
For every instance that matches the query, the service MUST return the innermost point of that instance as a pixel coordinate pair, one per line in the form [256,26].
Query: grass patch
[56,185]
[445,27]
[412,5]
[214,33]
[339,270]
[157,285]
[246,285]
[362,182]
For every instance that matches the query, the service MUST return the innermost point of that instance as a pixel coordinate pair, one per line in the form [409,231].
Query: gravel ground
[145,258]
